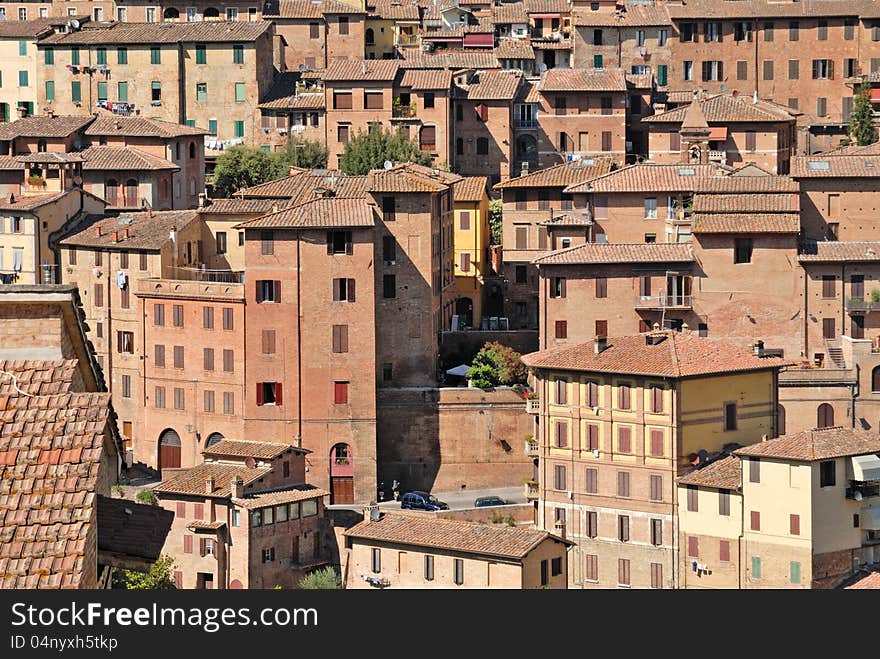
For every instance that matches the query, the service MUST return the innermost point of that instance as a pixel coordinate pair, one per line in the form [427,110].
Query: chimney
[209,485]
[685,328]
[173,233]
[758,348]
[125,233]
[274,208]
[150,212]
[600,343]
[764,438]
[115,236]
[117,125]
[237,488]
[98,231]
[371,513]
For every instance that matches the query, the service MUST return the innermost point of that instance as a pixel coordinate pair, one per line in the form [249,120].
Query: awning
[866,468]
[717,133]
[870,518]
[875,95]
[460,371]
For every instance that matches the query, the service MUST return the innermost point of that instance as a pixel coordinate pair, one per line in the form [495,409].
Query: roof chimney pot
[600,344]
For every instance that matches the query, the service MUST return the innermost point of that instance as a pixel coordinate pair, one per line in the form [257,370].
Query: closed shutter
[561,434]
[693,547]
[692,499]
[623,572]
[559,474]
[99,295]
[202,546]
[592,394]
[428,138]
[724,503]
[624,440]
[623,528]
[278,397]
[372,101]
[606,140]
[181,509]
[724,551]
[561,329]
[592,437]
[674,141]
[828,286]
[750,140]
[793,69]
[601,287]
[601,328]
[592,481]
[656,488]
[657,399]
[755,520]
[208,359]
[794,524]
[656,575]
[464,220]
[591,567]
[657,443]
[754,470]
[159,356]
[229,358]
[623,396]
[768,69]
[561,392]
[623,484]
[259,393]
[269,342]
[187,544]
[592,524]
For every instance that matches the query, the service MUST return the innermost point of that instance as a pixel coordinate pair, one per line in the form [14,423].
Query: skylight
[818,165]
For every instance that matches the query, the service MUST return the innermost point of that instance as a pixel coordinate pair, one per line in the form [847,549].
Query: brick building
[292,108]
[245,518]
[399,550]
[619,419]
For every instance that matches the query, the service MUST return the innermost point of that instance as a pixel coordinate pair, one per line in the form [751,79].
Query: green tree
[241,167]
[495,208]
[158,578]
[496,365]
[307,154]
[861,121]
[324,579]
[370,149]
[148,497]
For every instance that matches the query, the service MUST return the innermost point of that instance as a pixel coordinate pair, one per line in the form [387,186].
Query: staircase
[835,356]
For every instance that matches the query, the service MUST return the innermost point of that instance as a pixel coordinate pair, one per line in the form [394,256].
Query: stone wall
[452,439]
[460,347]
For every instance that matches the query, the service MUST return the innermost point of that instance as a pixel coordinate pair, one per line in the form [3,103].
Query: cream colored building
[802,511]
[419,550]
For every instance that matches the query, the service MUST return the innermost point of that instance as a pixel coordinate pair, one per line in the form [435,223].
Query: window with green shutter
[239,92]
[74,55]
[50,90]
[264,147]
[102,91]
[155,55]
[122,92]
[598,60]
[122,55]
[756,567]
[23,79]
[212,126]
[76,91]
[201,54]
[101,56]
[795,569]
[201,92]
[49,55]
[22,48]
[662,74]
[238,54]
[191,123]
[239,129]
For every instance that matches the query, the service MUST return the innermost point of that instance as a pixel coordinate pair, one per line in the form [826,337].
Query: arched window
[875,379]
[780,420]
[170,14]
[131,193]
[341,454]
[111,191]
[213,438]
[192,150]
[211,12]
[825,416]
[369,37]
[169,449]
[41,146]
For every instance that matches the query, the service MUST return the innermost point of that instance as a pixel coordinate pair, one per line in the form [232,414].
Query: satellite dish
[388,164]
[302,67]
[73,23]
[723,88]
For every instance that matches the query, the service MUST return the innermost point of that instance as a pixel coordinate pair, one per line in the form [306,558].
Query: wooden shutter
[350,290]
[259,393]
[561,391]
[623,396]
[202,547]
[623,571]
[330,242]
[693,501]
[623,484]
[794,523]
[601,287]
[750,140]
[592,394]
[268,342]
[624,439]
[276,285]
[828,286]
[657,443]
[754,470]
[755,520]
[657,399]
[561,434]
[349,243]
[592,437]
[592,481]
[464,220]
[601,328]
[724,551]
[724,503]
[656,488]
[187,544]
[561,329]
[693,547]
[181,509]
[278,396]
[606,140]
[592,524]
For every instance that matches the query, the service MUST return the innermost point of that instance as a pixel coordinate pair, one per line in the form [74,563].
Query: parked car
[484,502]
[421,501]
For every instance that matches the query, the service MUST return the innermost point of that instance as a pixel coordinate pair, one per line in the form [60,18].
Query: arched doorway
[341,474]
[171,14]
[235,584]
[111,191]
[169,449]
[369,37]
[875,379]
[464,307]
[213,438]
[825,416]
[131,193]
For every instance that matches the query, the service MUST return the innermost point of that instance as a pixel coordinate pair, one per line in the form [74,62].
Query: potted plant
[35,180]
[875,296]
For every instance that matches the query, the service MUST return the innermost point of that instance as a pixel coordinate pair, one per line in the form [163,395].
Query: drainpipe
[676,544]
[854,389]
[806,315]
[299,423]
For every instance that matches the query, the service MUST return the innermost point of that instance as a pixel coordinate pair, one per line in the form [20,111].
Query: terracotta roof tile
[202,525]
[34,28]
[242,449]
[548,7]
[426,79]
[237,206]
[38,378]
[30,202]
[360,70]
[450,59]
[282,95]
[723,474]
[632,16]
[149,33]
[869,581]
[494,86]
[194,481]
[405,178]
[316,214]
[834,251]
[765,9]
[726,108]
[43,126]
[677,355]
[301,185]
[140,127]
[470,188]
[853,149]
[562,175]
[132,529]
[619,253]
[569,220]
[640,80]
[835,166]
[682,178]
[122,159]
[514,49]
[583,80]
[745,222]
[394,10]
[450,535]
[307,8]
[510,13]
[816,444]
[281,495]
[145,231]
[746,203]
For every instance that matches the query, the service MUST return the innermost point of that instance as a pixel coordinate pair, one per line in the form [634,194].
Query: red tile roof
[510,13]
[145,231]
[360,70]
[308,8]
[38,27]
[726,108]
[723,474]
[43,126]
[123,159]
[301,185]
[835,166]
[677,355]
[470,188]
[51,448]
[583,80]
[746,203]
[13,203]
[514,49]
[282,495]
[451,535]
[405,178]
[682,178]
[450,59]
[608,253]
[751,9]
[316,214]
[816,444]
[561,175]
[746,222]
[869,581]
[163,33]
[394,10]
[494,86]
[37,377]
[418,79]
[256,450]
[194,481]
[631,16]
[237,206]
[140,127]
[845,251]
[282,95]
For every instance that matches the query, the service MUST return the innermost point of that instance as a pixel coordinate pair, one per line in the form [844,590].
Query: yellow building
[619,420]
[803,512]
[471,243]
[390,24]
[18,65]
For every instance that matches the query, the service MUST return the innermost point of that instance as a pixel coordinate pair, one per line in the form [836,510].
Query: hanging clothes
[121,279]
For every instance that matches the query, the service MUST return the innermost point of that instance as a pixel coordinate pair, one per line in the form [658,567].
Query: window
[693,502]
[50,90]
[76,91]
[794,524]
[228,402]
[623,484]
[742,31]
[793,31]
[561,329]
[559,475]
[825,414]
[389,286]
[827,473]
[561,389]
[591,567]
[742,251]
[850,66]
[458,566]
[829,287]
[268,393]
[793,69]
[340,393]
[482,146]
[122,55]
[601,287]
[651,208]
[520,270]
[730,416]
[687,70]
[159,356]
[592,398]
[713,70]
[592,524]
[268,290]
[656,448]
[178,356]
[237,54]
[343,290]
[724,503]
[823,69]
[339,242]
[768,70]
[849,25]
[201,54]
[662,75]
[240,94]
[429,568]
[201,92]
[125,342]
[755,520]
[724,551]
[208,360]
[623,528]
[623,396]
[656,532]
[662,37]
[339,338]
[555,567]
[592,480]
[239,129]
[623,572]
[343,25]
[693,547]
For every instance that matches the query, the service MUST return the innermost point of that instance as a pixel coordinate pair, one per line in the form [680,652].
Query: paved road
[460,499]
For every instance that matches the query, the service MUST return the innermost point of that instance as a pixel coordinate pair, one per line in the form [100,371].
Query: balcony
[525,124]
[531,490]
[404,39]
[211,276]
[664,301]
[533,406]
[531,446]
[861,305]
[719,157]
[403,112]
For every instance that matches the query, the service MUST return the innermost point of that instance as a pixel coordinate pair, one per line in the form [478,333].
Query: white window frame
[650,208]
[688,70]
[232,13]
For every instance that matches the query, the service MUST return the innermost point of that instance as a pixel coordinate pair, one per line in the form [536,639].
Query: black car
[484,502]
[421,501]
